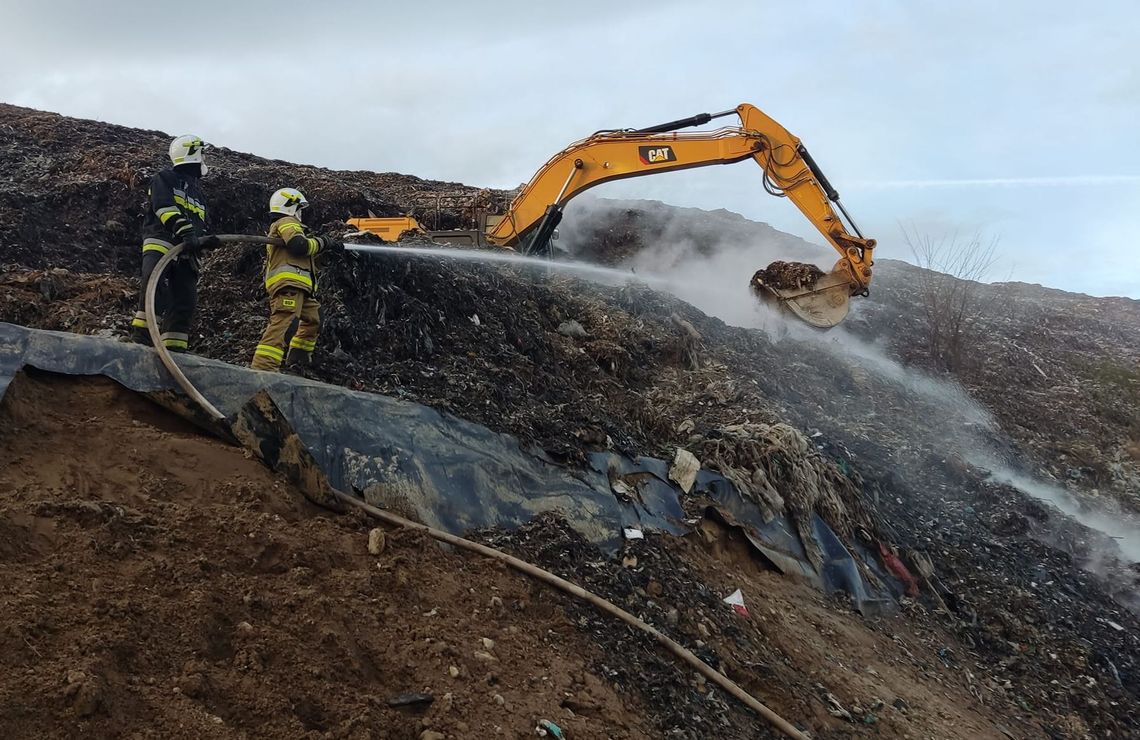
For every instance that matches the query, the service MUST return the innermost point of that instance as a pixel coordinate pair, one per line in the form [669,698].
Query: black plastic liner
[447,472]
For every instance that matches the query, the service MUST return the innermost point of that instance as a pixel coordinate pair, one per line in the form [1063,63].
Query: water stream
[588,269]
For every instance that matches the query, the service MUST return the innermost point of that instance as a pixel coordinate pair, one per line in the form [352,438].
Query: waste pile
[1058,370]
[570,367]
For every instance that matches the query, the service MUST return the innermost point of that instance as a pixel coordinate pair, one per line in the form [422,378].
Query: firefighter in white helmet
[176,213]
[291,281]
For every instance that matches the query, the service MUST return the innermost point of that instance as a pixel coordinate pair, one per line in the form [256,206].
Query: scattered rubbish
[572,329]
[375,541]
[1114,671]
[392,318]
[475,319]
[684,469]
[547,728]
[898,570]
[736,601]
[622,489]
[835,709]
[633,533]
[411,700]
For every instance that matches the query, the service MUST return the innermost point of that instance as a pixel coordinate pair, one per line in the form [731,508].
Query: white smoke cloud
[714,278]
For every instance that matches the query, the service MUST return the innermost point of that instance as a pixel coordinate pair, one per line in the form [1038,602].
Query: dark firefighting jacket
[177,209]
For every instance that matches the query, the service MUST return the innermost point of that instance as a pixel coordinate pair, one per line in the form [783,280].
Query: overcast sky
[1016,118]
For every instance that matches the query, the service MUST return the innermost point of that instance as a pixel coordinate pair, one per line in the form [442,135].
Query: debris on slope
[777,467]
[652,374]
[1058,370]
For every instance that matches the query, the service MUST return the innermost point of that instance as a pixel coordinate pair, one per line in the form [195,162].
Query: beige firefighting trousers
[286,305]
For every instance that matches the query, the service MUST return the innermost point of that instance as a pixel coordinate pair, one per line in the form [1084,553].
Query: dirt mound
[157,578]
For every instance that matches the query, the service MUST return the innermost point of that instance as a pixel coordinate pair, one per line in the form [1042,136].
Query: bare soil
[164,584]
[161,584]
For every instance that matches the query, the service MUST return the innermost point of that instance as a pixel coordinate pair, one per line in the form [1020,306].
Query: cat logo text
[656,154]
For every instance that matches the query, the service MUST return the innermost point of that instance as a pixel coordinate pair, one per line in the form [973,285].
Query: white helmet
[189,149]
[289,201]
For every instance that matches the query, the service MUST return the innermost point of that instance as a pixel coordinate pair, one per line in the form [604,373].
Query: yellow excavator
[821,299]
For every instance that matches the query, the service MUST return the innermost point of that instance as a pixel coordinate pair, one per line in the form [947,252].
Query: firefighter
[291,281]
[177,213]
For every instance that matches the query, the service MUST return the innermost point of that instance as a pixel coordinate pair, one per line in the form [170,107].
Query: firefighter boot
[298,362]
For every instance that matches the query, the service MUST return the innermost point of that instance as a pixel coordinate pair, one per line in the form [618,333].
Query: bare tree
[952,298]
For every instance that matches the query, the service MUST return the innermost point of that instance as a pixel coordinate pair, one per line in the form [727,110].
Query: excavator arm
[788,168]
[821,299]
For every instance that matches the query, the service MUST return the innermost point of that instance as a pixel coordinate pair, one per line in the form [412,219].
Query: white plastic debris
[633,533]
[684,469]
[475,319]
[572,329]
[736,601]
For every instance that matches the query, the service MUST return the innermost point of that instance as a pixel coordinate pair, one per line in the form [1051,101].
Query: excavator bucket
[821,299]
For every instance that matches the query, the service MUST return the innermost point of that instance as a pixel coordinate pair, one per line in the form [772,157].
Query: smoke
[1106,519]
[713,276]
[715,281]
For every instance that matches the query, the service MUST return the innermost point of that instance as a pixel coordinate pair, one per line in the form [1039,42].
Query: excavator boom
[788,170]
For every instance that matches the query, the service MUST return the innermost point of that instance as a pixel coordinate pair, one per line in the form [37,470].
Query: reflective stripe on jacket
[175,209]
[292,265]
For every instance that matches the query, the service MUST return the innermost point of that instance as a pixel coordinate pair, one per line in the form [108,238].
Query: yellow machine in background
[789,171]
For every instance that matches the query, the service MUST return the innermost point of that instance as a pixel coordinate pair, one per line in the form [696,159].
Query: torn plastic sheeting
[776,540]
[447,472]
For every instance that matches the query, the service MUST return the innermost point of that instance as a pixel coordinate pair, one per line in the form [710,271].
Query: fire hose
[521,566]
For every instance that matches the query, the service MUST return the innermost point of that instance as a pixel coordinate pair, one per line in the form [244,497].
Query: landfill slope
[1037,626]
[1058,370]
[157,578]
